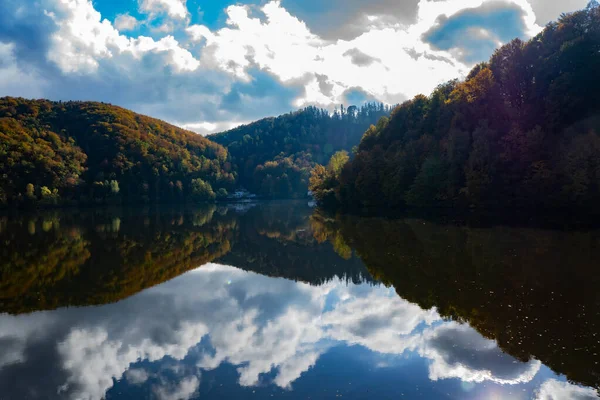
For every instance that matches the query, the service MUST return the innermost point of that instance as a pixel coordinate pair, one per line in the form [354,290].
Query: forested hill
[86,152]
[274,155]
[522,131]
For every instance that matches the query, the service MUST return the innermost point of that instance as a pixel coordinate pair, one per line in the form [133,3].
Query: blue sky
[209,65]
[210,13]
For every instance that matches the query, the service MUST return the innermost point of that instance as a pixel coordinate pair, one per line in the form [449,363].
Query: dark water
[277,302]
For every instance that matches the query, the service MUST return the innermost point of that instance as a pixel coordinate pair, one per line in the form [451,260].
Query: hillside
[274,155]
[87,152]
[522,131]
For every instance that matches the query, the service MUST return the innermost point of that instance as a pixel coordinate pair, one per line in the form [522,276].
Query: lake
[276,300]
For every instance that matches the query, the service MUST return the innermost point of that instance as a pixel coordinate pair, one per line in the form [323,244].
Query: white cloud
[293,368]
[458,351]
[13,80]
[14,336]
[93,359]
[184,390]
[84,39]
[173,8]
[179,58]
[430,11]
[347,19]
[547,11]
[284,46]
[380,323]
[287,341]
[555,390]
[126,22]
[136,376]
[206,128]
[472,30]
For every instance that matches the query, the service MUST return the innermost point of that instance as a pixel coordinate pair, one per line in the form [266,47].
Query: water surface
[276,301]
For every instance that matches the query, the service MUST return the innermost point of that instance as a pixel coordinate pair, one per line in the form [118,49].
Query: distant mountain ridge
[274,156]
[56,153]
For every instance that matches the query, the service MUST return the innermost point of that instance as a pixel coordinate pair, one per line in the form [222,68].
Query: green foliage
[522,131]
[49,197]
[114,187]
[427,187]
[274,156]
[323,181]
[95,152]
[337,162]
[202,191]
[45,192]
[222,193]
[283,177]
[30,191]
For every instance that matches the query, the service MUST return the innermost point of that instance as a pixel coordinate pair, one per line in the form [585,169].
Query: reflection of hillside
[78,258]
[534,291]
[98,258]
[280,240]
[27,266]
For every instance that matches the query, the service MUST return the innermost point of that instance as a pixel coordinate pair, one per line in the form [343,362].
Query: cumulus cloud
[92,359]
[13,338]
[259,325]
[266,60]
[547,11]
[126,22]
[347,19]
[173,8]
[379,323]
[15,81]
[285,47]
[458,351]
[555,390]
[444,40]
[13,353]
[184,390]
[472,34]
[65,50]
[137,376]
[83,38]
[359,58]
[206,128]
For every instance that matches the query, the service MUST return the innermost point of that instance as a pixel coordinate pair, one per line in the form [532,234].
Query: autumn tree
[521,131]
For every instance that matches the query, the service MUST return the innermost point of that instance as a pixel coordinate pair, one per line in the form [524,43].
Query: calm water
[274,301]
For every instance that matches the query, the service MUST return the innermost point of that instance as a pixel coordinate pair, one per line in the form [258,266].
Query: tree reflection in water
[479,304]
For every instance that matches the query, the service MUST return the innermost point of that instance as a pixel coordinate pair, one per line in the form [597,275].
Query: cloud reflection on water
[258,324]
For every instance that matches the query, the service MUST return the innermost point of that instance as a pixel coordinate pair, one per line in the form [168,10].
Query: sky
[210,65]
